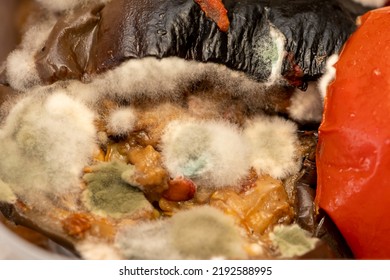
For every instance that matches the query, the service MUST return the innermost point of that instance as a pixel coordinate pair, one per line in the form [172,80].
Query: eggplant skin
[127,29]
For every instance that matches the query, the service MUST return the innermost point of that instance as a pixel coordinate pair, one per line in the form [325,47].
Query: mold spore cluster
[49,135]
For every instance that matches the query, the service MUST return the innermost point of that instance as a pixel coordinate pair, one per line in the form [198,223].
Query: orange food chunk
[76,225]
[180,189]
[150,172]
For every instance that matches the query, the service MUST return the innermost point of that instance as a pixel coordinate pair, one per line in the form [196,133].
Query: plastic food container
[13,247]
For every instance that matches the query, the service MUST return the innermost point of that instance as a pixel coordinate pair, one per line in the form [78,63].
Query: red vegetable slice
[353,154]
[215,10]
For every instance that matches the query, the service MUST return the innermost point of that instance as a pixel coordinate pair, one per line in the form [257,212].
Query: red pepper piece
[353,154]
[215,10]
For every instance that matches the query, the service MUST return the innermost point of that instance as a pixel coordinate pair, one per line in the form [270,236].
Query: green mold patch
[109,193]
[292,240]
[204,233]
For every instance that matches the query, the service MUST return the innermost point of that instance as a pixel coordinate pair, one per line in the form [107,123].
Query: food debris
[180,189]
[76,225]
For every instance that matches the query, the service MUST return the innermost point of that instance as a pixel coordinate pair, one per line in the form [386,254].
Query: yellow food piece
[76,225]
[148,165]
[117,151]
[170,208]
[103,228]
[258,208]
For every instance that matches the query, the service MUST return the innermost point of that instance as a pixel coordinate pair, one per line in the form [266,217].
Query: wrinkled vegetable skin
[353,154]
[123,30]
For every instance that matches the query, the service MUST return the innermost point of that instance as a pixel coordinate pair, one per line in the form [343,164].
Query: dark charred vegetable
[101,38]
